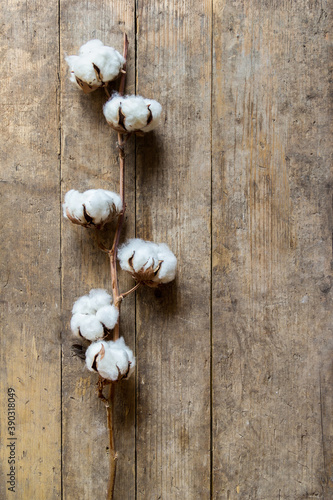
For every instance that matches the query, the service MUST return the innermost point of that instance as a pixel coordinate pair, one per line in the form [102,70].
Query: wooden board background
[232,396]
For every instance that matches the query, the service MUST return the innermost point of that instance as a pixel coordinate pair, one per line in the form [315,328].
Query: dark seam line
[211,248]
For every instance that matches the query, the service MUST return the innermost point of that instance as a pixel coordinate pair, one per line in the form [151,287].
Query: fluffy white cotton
[95,65]
[113,360]
[92,314]
[83,306]
[108,316]
[138,256]
[99,297]
[167,270]
[94,207]
[87,326]
[132,113]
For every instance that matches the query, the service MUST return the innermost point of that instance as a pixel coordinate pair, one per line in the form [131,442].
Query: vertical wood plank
[272,251]
[90,160]
[173,206]
[30,251]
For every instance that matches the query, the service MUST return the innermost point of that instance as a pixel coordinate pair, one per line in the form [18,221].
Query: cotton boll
[101,205]
[148,262]
[108,316]
[94,207]
[87,325]
[114,365]
[132,113]
[136,113]
[95,65]
[144,257]
[99,298]
[112,360]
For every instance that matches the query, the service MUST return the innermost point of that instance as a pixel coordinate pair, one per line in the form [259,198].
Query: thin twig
[131,290]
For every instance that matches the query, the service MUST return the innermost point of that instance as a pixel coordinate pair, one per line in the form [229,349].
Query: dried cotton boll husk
[93,208]
[148,262]
[94,66]
[128,114]
[113,360]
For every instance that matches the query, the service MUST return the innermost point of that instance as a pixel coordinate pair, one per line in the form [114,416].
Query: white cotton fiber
[83,305]
[136,113]
[92,314]
[168,267]
[111,111]
[90,47]
[108,316]
[132,113]
[99,297]
[113,360]
[87,326]
[94,207]
[95,65]
[92,352]
[156,110]
[73,205]
[137,256]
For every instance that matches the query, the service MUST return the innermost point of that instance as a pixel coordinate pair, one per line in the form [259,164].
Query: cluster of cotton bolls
[133,113]
[95,65]
[94,315]
[94,207]
[113,360]
[148,262]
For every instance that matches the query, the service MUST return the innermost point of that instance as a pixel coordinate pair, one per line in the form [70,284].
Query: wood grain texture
[272,251]
[173,206]
[90,160]
[30,249]
[232,398]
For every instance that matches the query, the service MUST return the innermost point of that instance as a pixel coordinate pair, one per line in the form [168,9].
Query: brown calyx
[145,275]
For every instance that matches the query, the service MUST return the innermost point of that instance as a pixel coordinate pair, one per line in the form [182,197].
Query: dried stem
[131,290]
[115,286]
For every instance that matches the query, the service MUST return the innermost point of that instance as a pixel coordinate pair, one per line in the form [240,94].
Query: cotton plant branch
[115,287]
[95,316]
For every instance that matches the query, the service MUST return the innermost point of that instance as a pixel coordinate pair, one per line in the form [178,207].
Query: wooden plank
[272,251]
[89,160]
[30,252]
[173,206]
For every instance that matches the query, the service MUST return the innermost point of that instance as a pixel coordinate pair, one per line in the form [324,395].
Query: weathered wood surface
[272,251]
[173,206]
[232,392]
[30,250]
